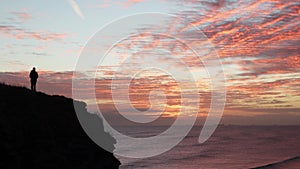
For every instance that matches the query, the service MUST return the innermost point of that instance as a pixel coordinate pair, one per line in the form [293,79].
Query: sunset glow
[257,43]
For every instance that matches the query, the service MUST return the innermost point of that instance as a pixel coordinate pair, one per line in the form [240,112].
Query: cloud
[244,28]
[282,63]
[123,3]
[257,41]
[10,31]
[76,8]
[131,2]
[22,16]
[251,99]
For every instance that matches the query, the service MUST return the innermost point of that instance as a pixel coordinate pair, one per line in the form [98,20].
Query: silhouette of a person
[33,79]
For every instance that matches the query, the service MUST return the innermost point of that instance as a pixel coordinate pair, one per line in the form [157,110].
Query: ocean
[230,147]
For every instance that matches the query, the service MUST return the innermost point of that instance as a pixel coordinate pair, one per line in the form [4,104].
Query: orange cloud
[257,41]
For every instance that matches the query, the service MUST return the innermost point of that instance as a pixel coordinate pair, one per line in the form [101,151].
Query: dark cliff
[38,131]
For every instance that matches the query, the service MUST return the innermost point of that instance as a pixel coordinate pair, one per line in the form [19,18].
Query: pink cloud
[131,2]
[19,33]
[125,4]
[22,16]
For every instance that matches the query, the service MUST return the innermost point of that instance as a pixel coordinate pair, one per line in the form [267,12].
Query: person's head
[33,68]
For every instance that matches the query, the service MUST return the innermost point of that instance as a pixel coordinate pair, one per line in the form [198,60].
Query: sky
[256,42]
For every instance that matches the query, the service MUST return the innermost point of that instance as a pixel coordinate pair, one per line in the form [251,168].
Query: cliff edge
[39,131]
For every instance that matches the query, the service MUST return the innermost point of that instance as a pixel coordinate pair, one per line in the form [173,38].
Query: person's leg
[31,83]
[34,86]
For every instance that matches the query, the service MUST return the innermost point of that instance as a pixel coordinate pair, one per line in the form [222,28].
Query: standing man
[33,79]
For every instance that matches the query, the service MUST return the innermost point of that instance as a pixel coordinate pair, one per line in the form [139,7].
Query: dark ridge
[39,131]
[292,163]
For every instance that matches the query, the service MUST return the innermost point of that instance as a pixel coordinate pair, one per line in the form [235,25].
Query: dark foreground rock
[38,131]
